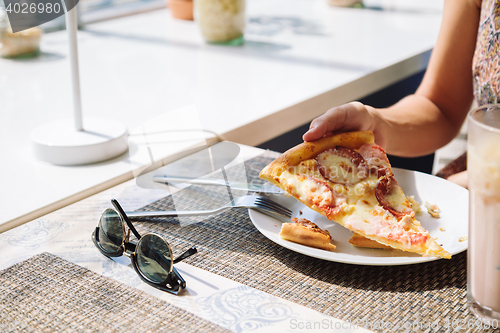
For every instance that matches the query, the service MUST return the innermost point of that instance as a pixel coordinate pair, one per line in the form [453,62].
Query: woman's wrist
[378,125]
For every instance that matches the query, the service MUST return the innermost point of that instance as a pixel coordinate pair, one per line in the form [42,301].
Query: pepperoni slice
[342,165]
[376,158]
[391,197]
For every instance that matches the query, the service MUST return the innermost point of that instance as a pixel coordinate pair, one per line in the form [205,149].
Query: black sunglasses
[151,257]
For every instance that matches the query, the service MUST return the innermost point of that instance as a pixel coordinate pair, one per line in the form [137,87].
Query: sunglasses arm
[185,255]
[177,280]
[119,208]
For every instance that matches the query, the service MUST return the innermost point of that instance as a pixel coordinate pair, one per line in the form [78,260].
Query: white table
[300,58]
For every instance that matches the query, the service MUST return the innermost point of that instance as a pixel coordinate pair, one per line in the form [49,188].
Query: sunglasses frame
[174,282]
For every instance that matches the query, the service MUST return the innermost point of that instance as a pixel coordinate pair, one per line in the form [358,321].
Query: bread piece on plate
[348,179]
[305,232]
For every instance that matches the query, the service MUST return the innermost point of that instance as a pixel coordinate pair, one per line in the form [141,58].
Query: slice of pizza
[348,179]
[305,232]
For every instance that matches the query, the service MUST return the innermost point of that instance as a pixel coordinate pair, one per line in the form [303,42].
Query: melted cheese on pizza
[380,223]
[309,189]
[398,201]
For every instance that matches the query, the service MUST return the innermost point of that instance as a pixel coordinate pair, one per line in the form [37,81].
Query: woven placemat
[48,294]
[229,245]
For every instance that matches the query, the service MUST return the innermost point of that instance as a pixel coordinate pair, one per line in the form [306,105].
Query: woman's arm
[430,118]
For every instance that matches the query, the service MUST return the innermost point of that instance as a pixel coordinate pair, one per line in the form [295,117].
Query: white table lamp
[73,142]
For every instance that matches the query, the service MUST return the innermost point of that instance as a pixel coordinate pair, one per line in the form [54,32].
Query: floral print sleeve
[486,63]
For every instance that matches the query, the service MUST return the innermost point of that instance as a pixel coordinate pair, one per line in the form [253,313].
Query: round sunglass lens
[154,258]
[110,231]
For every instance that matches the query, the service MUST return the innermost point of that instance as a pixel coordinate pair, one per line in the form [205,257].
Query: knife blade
[264,188]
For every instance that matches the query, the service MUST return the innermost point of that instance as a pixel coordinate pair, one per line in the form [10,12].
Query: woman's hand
[352,116]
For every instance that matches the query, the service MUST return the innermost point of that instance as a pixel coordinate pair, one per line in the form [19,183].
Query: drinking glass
[483,164]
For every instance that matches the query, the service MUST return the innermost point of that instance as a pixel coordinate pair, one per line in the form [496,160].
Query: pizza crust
[305,232]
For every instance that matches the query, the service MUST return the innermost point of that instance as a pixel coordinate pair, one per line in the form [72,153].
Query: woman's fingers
[347,117]
[460,178]
[317,130]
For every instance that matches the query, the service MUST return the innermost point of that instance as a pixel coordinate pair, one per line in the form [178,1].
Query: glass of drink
[483,164]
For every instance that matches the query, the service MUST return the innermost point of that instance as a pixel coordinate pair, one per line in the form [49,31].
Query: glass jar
[25,43]
[3,24]
[221,21]
[344,3]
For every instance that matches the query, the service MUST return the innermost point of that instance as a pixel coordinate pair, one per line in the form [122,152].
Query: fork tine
[271,205]
[273,214]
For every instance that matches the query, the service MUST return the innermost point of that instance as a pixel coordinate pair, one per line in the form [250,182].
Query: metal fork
[261,204]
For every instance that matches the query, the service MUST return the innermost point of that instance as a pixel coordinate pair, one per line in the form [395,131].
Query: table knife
[264,188]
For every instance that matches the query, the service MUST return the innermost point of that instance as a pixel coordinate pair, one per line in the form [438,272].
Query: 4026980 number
[32,8]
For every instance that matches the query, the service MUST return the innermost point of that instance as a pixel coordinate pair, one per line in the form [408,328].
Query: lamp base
[59,143]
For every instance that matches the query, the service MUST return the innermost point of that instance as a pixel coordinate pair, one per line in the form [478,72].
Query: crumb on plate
[462,239]
[433,209]
[414,204]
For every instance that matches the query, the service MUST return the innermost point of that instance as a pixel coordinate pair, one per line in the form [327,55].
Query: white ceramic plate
[452,199]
